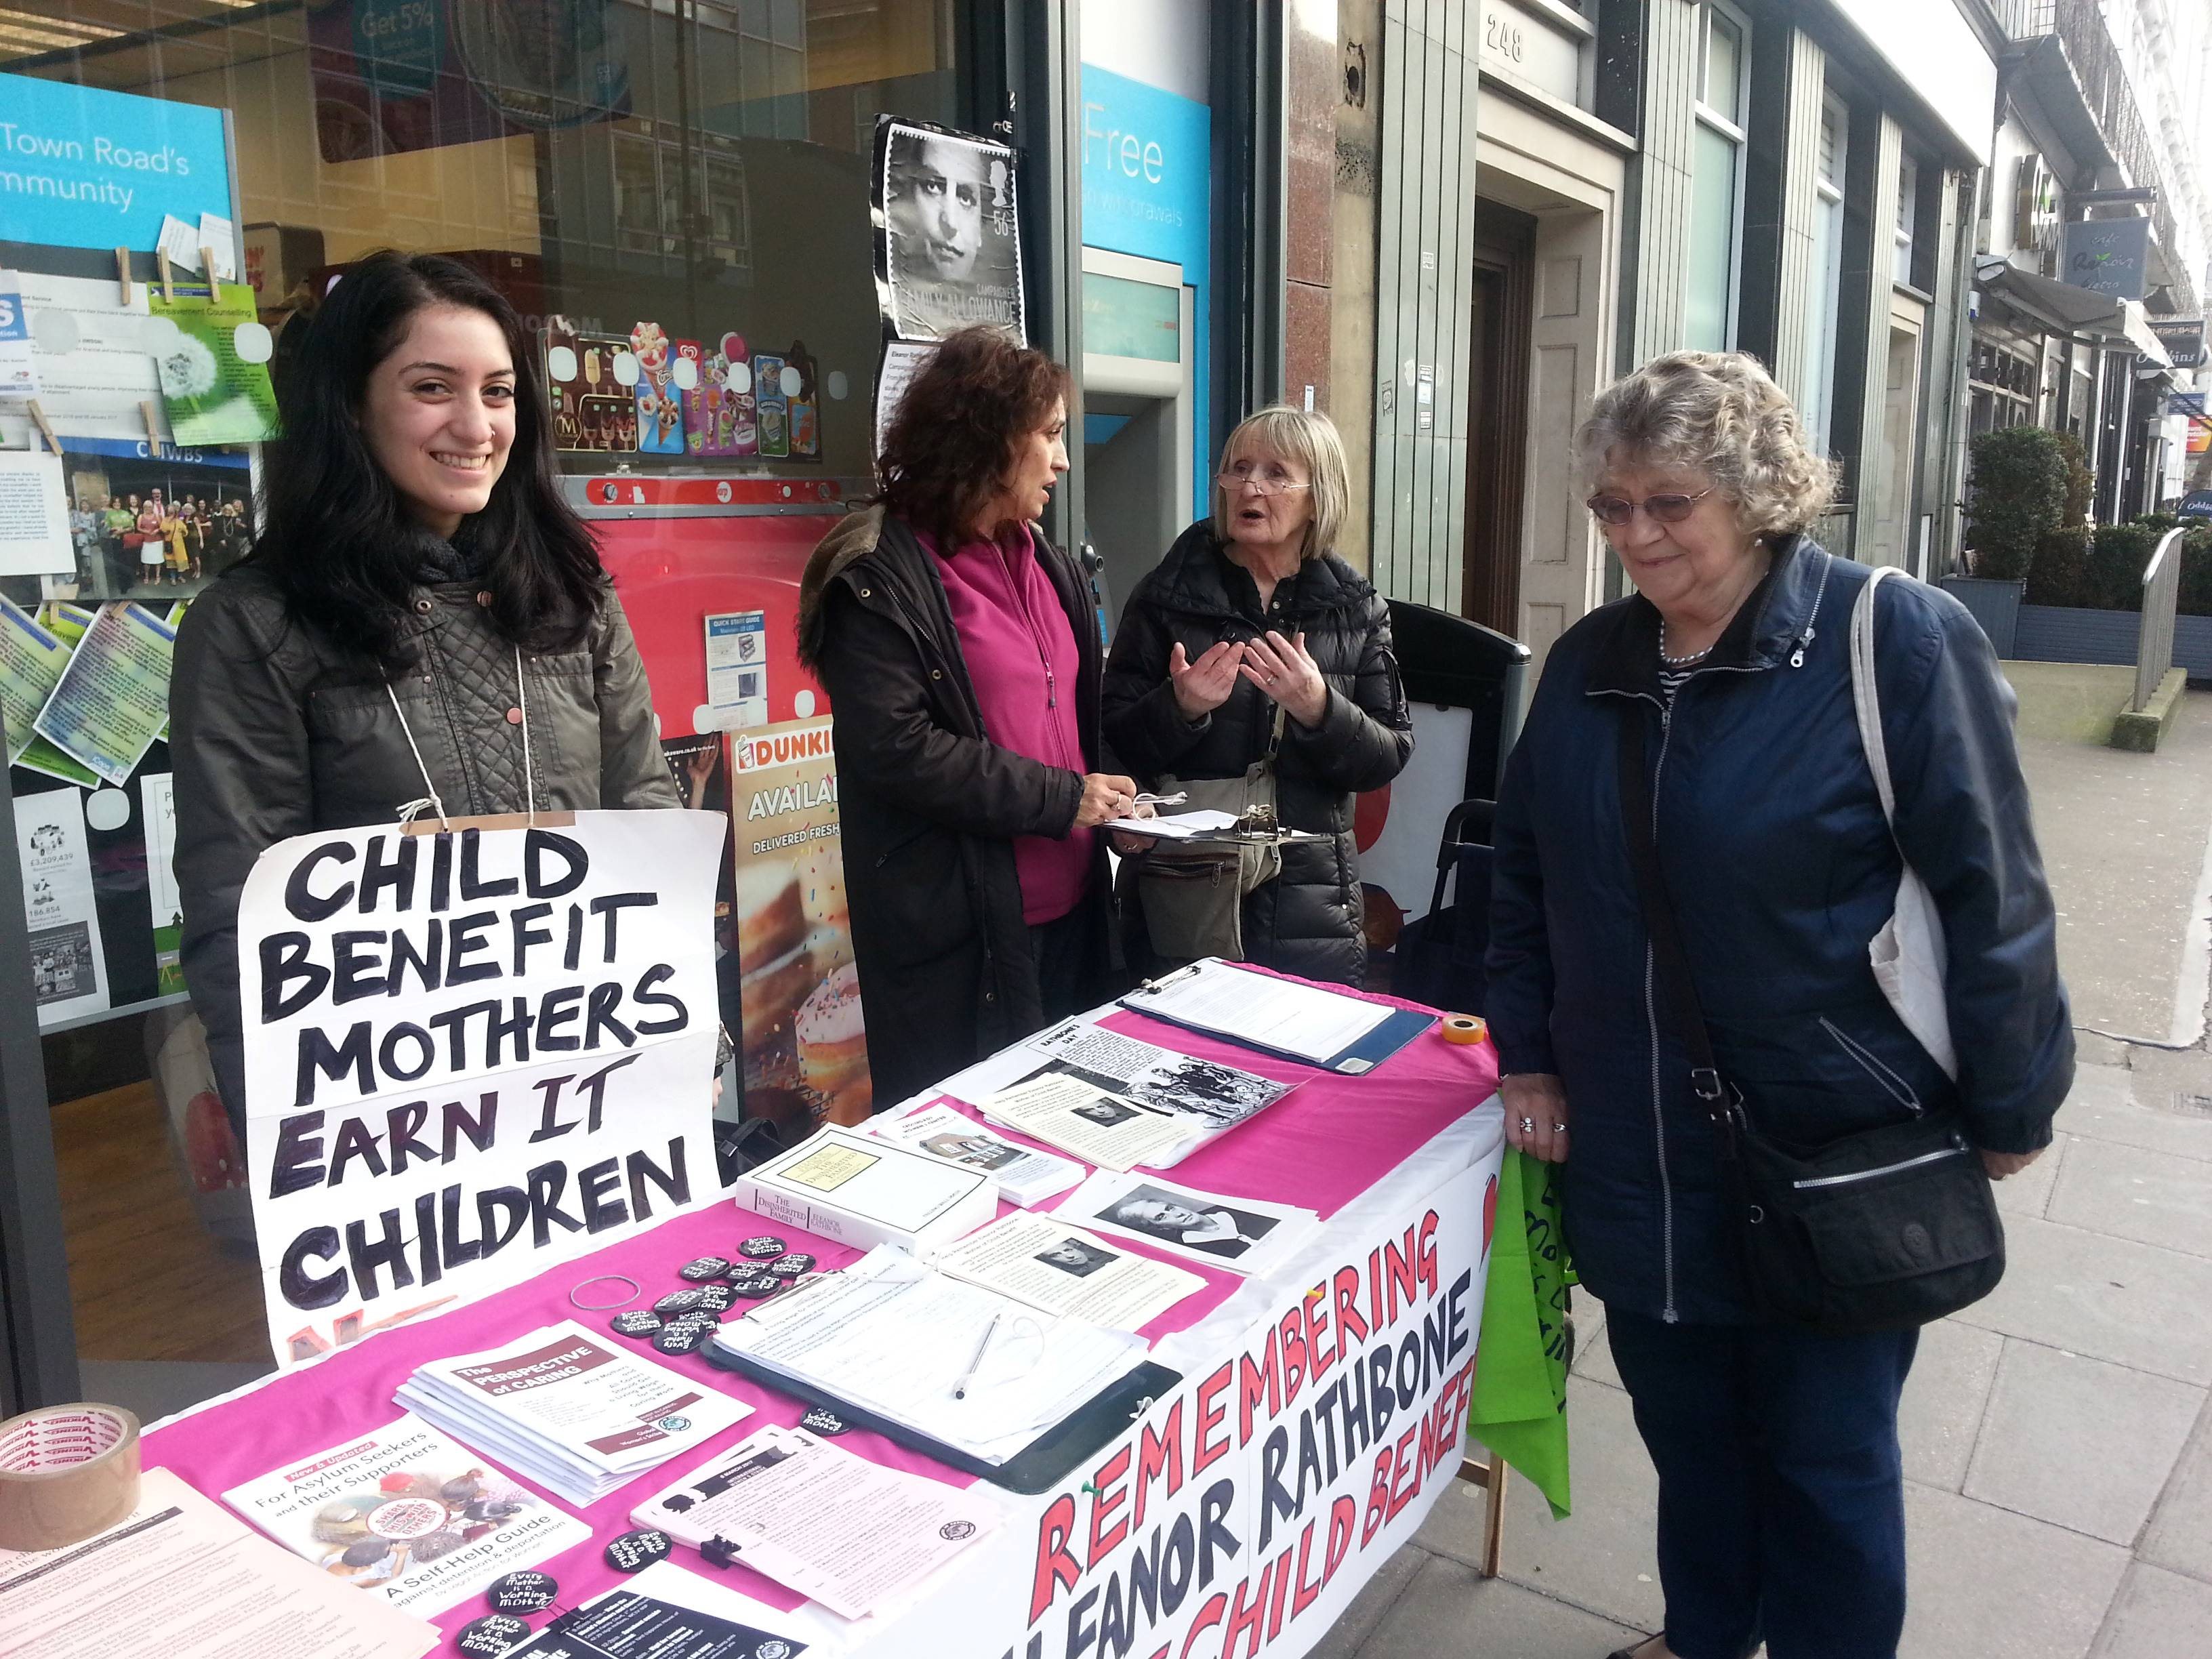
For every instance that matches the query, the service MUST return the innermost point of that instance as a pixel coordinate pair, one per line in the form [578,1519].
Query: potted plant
[2019,477]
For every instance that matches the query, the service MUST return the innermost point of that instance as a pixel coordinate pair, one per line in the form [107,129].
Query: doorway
[1499,321]
[1889,539]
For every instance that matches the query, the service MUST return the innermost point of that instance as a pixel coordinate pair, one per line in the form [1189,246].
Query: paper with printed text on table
[1302,1020]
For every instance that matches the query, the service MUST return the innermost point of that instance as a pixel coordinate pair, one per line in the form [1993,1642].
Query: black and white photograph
[1158,1077]
[1106,1112]
[977,1151]
[948,243]
[1246,1235]
[1075,1258]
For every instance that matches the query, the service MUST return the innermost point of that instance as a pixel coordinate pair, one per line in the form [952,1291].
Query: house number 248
[1501,37]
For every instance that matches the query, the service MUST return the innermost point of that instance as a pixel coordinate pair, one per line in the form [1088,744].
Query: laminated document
[861,1190]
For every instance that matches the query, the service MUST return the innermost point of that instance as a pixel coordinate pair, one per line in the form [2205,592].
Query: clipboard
[1034,1470]
[1401,1028]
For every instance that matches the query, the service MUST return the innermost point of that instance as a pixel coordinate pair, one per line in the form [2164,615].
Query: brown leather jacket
[273,732]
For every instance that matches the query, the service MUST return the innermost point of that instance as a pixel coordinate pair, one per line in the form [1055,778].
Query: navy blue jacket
[1780,869]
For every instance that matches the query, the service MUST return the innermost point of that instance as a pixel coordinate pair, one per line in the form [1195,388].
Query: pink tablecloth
[1319,1147]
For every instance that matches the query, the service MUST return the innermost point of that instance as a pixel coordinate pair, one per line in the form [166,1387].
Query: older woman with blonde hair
[1694,863]
[1253,643]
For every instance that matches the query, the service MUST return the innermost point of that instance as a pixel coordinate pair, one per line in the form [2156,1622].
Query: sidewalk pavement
[2057,1439]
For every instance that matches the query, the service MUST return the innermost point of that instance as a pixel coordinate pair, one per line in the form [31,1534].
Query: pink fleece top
[1025,666]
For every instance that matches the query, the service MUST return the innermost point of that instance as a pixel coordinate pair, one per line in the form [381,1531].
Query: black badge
[716,1298]
[678,1302]
[754,1288]
[522,1592]
[637,1321]
[791,1266]
[820,1419]
[762,1248]
[706,1268]
[633,1552]
[682,1337]
[494,1634]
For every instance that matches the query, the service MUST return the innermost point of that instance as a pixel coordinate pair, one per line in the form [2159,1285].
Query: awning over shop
[2061,305]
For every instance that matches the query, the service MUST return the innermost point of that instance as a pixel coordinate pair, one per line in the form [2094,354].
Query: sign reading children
[470,1054]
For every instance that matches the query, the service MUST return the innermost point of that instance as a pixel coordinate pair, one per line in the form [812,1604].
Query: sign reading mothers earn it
[471,1053]
[82,168]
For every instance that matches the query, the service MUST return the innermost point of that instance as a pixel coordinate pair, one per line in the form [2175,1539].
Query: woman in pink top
[961,653]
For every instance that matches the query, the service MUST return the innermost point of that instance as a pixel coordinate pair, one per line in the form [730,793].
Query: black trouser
[1066,953]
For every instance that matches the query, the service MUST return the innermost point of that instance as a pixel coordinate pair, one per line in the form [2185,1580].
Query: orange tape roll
[1463,1027]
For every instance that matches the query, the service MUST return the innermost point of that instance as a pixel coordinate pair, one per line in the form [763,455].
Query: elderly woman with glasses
[1250,640]
[1781,1502]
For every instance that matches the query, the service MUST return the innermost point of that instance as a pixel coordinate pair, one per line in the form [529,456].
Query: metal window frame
[1735,127]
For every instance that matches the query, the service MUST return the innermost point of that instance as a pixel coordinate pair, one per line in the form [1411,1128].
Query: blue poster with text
[82,168]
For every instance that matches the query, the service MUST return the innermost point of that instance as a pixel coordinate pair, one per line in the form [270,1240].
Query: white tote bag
[1908,954]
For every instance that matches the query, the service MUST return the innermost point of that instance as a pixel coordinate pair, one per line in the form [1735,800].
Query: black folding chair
[1440,956]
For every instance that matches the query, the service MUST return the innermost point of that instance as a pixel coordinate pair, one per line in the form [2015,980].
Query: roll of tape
[1463,1027]
[66,1472]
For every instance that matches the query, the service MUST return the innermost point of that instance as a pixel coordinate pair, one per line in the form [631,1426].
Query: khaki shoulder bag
[1193,892]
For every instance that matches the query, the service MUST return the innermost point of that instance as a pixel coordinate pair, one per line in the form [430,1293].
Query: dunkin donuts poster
[806,1051]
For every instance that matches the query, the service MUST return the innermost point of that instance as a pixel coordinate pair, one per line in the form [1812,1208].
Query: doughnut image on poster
[948,245]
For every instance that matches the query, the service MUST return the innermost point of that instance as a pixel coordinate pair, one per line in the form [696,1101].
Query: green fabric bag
[1520,1406]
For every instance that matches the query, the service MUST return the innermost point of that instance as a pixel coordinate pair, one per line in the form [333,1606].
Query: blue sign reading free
[82,167]
[1147,191]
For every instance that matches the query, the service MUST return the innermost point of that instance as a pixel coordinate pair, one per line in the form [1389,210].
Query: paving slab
[1374,1601]
[2108,1187]
[2179,1537]
[2157,1615]
[2080,1441]
[1594,1351]
[2132,1108]
[2123,839]
[2092,1049]
[2028,1192]
[1944,1399]
[2111,1299]
[1450,1609]
[1603,1557]
[1986,1584]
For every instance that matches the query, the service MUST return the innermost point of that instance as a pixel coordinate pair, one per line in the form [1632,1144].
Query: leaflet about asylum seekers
[858,1538]
[471,1053]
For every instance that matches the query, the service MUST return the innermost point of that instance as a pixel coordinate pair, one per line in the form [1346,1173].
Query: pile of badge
[683,1319]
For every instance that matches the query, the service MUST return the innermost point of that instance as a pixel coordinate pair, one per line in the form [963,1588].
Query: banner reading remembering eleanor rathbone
[470,1054]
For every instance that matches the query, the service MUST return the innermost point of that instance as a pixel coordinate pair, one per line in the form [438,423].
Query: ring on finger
[1559,1128]
[1528,1126]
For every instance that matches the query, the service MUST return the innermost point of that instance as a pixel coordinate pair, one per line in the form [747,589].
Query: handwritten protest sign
[470,1054]
[1223,1523]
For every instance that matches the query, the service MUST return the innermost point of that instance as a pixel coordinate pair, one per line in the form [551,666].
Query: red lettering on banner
[1378,1499]
[1210,1409]
[1107,1497]
[1350,1326]
[1400,1493]
[1292,1331]
[1055,1567]
[1282,1591]
[1208,1617]
[1264,1378]
[1242,1619]
[1425,1254]
[1376,1321]
[1155,1453]
[1404,1282]
[1317,1313]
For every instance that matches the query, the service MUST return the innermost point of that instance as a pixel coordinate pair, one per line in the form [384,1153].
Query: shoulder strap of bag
[1670,964]
[1867,698]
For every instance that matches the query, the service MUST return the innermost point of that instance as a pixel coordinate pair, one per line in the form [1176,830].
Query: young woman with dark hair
[961,653]
[423,617]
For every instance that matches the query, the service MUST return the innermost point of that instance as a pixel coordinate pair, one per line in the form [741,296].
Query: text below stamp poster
[468,1055]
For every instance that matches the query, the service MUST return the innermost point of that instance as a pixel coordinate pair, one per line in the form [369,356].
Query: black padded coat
[1308,920]
[274,732]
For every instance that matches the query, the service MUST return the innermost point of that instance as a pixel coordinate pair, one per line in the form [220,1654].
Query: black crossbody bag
[1883,1230]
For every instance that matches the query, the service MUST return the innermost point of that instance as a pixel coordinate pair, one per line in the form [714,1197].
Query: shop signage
[82,168]
[470,1054]
[2183,339]
[1225,1519]
[2036,205]
[1522,42]
[2108,256]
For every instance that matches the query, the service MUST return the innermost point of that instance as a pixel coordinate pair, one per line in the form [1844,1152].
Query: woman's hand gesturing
[1203,686]
[1285,671]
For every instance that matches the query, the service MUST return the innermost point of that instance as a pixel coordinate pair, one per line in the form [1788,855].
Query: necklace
[1680,662]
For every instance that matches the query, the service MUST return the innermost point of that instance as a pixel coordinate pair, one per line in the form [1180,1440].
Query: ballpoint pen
[960,1389]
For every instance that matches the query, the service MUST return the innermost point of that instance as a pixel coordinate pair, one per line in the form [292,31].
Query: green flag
[1520,1406]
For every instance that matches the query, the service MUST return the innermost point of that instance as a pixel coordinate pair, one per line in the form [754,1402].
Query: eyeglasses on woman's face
[1668,509]
[1268,477]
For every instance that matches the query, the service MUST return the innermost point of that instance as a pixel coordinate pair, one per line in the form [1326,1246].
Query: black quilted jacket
[274,733]
[1307,920]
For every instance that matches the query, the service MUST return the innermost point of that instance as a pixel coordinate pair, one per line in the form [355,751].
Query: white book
[408,1515]
[863,1190]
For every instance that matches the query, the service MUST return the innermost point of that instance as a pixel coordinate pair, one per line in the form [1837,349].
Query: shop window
[1908,217]
[1827,220]
[1717,181]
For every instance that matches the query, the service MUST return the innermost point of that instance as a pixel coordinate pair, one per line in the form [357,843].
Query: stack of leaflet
[565,1410]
